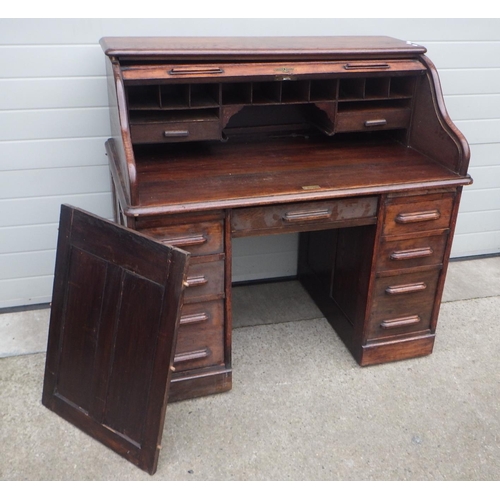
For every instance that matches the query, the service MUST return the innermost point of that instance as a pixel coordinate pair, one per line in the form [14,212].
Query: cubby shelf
[198,102]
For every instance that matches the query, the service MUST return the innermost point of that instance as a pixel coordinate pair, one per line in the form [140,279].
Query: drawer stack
[200,348]
[406,291]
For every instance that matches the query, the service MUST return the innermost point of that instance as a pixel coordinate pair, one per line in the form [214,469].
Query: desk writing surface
[241,173]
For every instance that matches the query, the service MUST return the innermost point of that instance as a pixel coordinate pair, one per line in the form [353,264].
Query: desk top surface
[215,175]
[239,48]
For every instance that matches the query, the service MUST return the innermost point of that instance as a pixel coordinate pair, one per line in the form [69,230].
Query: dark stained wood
[205,279]
[303,216]
[280,70]
[242,48]
[213,175]
[412,214]
[203,382]
[113,327]
[346,140]
[201,336]
[388,309]
[446,259]
[432,132]
[306,124]
[125,173]
[199,238]
[383,352]
[400,254]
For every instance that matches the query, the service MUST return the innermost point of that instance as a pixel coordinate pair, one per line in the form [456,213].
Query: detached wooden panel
[112,334]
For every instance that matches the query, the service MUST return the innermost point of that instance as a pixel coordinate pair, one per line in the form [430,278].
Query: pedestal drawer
[200,340]
[198,238]
[205,279]
[403,304]
[418,213]
[413,252]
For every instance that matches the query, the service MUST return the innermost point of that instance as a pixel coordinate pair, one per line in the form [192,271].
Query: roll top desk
[343,140]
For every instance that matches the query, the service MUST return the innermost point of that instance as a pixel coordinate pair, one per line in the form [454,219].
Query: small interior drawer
[413,252]
[198,238]
[303,216]
[359,120]
[403,303]
[200,341]
[205,280]
[176,131]
[418,213]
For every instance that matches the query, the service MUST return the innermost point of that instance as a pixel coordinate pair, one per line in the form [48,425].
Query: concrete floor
[300,408]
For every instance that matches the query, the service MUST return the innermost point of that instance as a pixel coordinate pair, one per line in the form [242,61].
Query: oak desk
[343,140]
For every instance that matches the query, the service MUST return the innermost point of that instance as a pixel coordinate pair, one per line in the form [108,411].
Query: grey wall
[54,121]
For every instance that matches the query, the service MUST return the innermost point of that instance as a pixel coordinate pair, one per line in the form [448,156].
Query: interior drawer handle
[191,355]
[194,70]
[185,241]
[376,123]
[189,319]
[176,133]
[387,324]
[414,253]
[196,281]
[367,65]
[409,218]
[307,216]
[409,288]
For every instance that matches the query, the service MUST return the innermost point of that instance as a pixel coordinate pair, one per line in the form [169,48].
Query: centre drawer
[292,217]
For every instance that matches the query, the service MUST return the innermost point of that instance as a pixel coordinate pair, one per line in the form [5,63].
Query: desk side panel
[120,131]
[432,131]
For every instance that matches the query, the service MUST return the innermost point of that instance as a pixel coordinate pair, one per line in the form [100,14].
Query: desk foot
[396,350]
[194,385]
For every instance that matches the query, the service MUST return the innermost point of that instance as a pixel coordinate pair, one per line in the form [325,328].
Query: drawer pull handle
[414,253]
[195,70]
[185,241]
[196,281]
[409,218]
[409,288]
[375,123]
[189,319]
[399,322]
[191,355]
[368,65]
[176,133]
[306,216]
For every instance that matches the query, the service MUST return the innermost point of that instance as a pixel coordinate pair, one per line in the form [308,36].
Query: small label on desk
[314,186]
